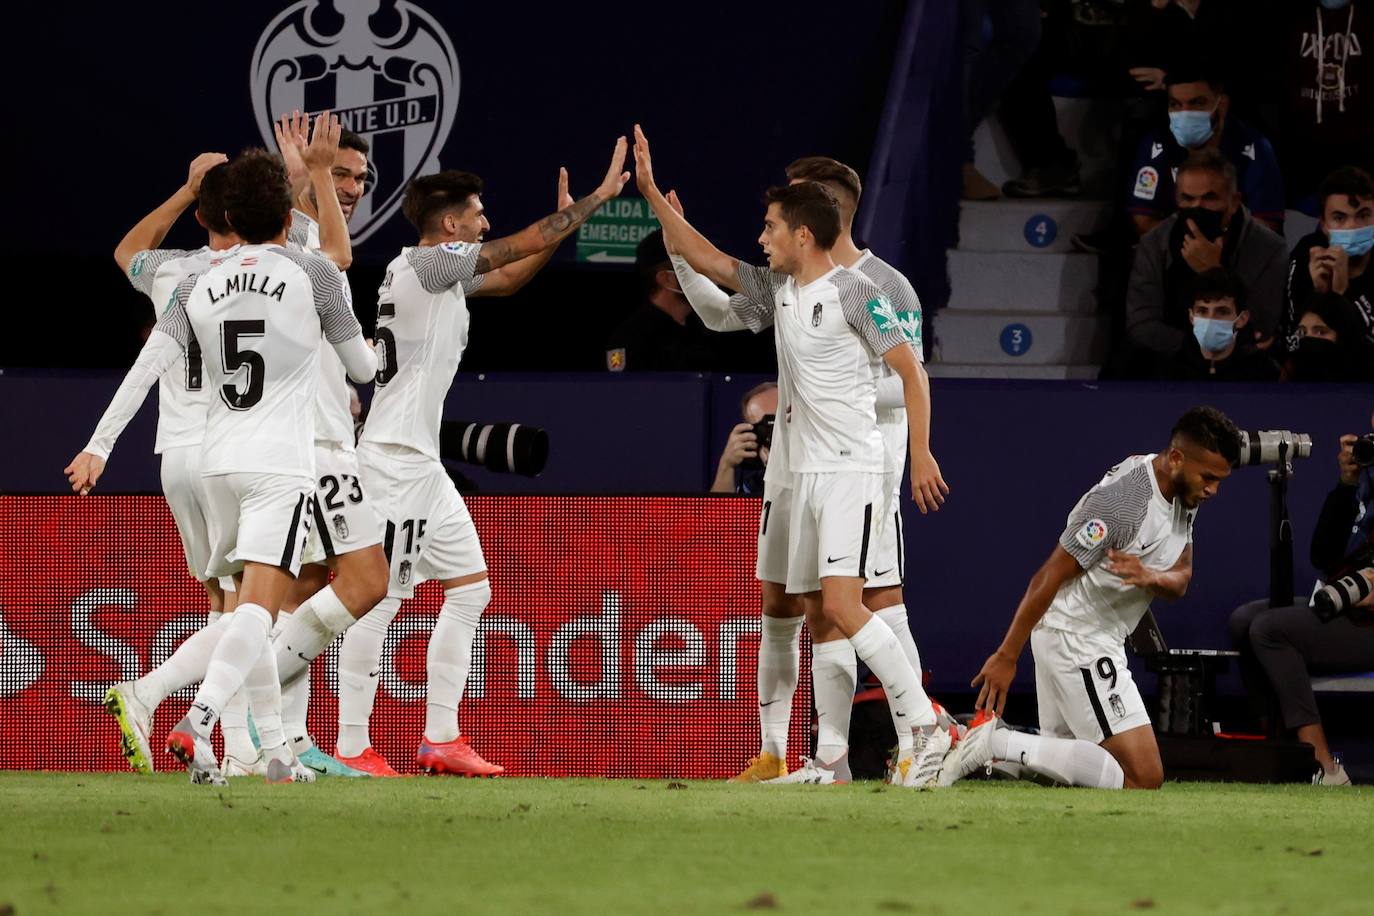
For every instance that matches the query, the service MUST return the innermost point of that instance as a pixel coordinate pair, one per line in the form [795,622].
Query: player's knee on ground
[1142,773]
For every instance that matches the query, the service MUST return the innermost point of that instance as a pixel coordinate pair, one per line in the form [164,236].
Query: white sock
[263,687]
[233,725]
[1068,761]
[308,631]
[295,710]
[878,647]
[779,659]
[833,679]
[186,666]
[450,656]
[243,640]
[896,619]
[360,656]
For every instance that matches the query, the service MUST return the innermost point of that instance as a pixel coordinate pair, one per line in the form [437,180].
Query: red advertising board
[620,641]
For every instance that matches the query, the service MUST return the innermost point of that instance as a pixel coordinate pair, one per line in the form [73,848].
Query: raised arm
[318,158]
[292,138]
[678,234]
[153,228]
[506,281]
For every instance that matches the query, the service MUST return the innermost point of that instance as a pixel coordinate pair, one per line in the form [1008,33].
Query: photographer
[1279,646]
[743,462]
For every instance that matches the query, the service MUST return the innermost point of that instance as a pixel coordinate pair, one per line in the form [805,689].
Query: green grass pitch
[119,843]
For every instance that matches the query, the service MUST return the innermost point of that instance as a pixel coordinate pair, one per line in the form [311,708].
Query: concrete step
[1091,127]
[1028,226]
[1016,370]
[1007,337]
[1034,283]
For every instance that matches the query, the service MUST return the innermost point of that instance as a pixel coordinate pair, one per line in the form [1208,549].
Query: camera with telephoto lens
[1341,596]
[1271,446]
[1364,450]
[763,432]
[507,448]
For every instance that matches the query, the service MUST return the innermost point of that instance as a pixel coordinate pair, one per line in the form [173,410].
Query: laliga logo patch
[1146,183]
[1092,534]
[385,67]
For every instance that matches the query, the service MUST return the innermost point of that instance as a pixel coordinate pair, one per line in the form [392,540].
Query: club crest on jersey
[1118,707]
[388,70]
[816,316]
[1092,534]
[341,527]
[403,573]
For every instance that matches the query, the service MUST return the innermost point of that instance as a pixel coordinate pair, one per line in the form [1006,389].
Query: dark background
[109,108]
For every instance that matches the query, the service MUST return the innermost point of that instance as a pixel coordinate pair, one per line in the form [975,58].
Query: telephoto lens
[1364,450]
[1265,446]
[507,448]
[1339,597]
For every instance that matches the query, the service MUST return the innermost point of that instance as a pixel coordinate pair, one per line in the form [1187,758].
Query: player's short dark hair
[429,197]
[257,196]
[1216,284]
[1349,182]
[1194,71]
[1210,160]
[754,392]
[350,140]
[1210,429]
[810,204]
[210,200]
[830,172]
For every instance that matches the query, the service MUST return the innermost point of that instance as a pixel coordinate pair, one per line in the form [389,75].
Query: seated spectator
[1210,229]
[1331,343]
[664,333]
[744,460]
[1336,256]
[1281,646]
[1199,120]
[1216,352]
[998,37]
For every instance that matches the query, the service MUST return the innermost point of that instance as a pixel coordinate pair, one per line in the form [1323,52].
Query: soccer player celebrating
[1128,541]
[830,325]
[422,328]
[833,668]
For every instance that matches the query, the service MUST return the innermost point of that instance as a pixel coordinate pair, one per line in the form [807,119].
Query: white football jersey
[892,420]
[261,312]
[422,330]
[181,392]
[1125,511]
[829,333]
[333,403]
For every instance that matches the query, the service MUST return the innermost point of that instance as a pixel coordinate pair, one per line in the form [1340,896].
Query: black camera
[1271,446]
[507,448]
[1364,450]
[763,432]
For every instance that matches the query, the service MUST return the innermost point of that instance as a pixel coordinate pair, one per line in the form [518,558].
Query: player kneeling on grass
[1128,541]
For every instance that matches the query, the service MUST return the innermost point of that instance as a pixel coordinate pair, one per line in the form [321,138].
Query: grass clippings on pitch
[101,843]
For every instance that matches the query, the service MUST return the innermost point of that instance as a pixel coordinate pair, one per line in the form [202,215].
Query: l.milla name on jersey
[249,283]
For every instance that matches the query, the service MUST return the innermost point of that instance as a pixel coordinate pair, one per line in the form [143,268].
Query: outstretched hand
[565,200]
[293,135]
[616,176]
[677,208]
[644,166]
[324,143]
[994,681]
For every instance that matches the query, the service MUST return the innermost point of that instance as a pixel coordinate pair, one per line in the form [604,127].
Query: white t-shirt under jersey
[829,333]
[262,311]
[422,330]
[181,391]
[333,403]
[1125,511]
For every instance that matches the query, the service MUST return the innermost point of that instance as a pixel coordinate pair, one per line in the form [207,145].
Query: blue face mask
[1191,128]
[1356,242]
[1213,334]
[1335,4]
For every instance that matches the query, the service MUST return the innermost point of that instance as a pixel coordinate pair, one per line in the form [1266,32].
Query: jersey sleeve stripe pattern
[337,320]
[899,290]
[299,233]
[441,267]
[1121,506]
[869,312]
[144,267]
[175,323]
[754,305]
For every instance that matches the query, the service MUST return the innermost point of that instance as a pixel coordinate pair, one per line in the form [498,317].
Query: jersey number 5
[235,359]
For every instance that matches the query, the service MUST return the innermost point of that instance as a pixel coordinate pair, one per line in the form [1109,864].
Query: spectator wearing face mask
[1210,228]
[1199,119]
[1336,257]
[1331,346]
[1217,351]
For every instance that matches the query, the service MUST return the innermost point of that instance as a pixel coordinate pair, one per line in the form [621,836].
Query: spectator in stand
[1335,257]
[1210,228]
[1331,345]
[1326,84]
[1216,351]
[744,459]
[1198,120]
[998,36]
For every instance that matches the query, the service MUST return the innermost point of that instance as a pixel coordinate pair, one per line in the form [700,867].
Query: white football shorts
[835,520]
[184,490]
[1083,687]
[260,518]
[889,547]
[344,519]
[428,533]
[775,519]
